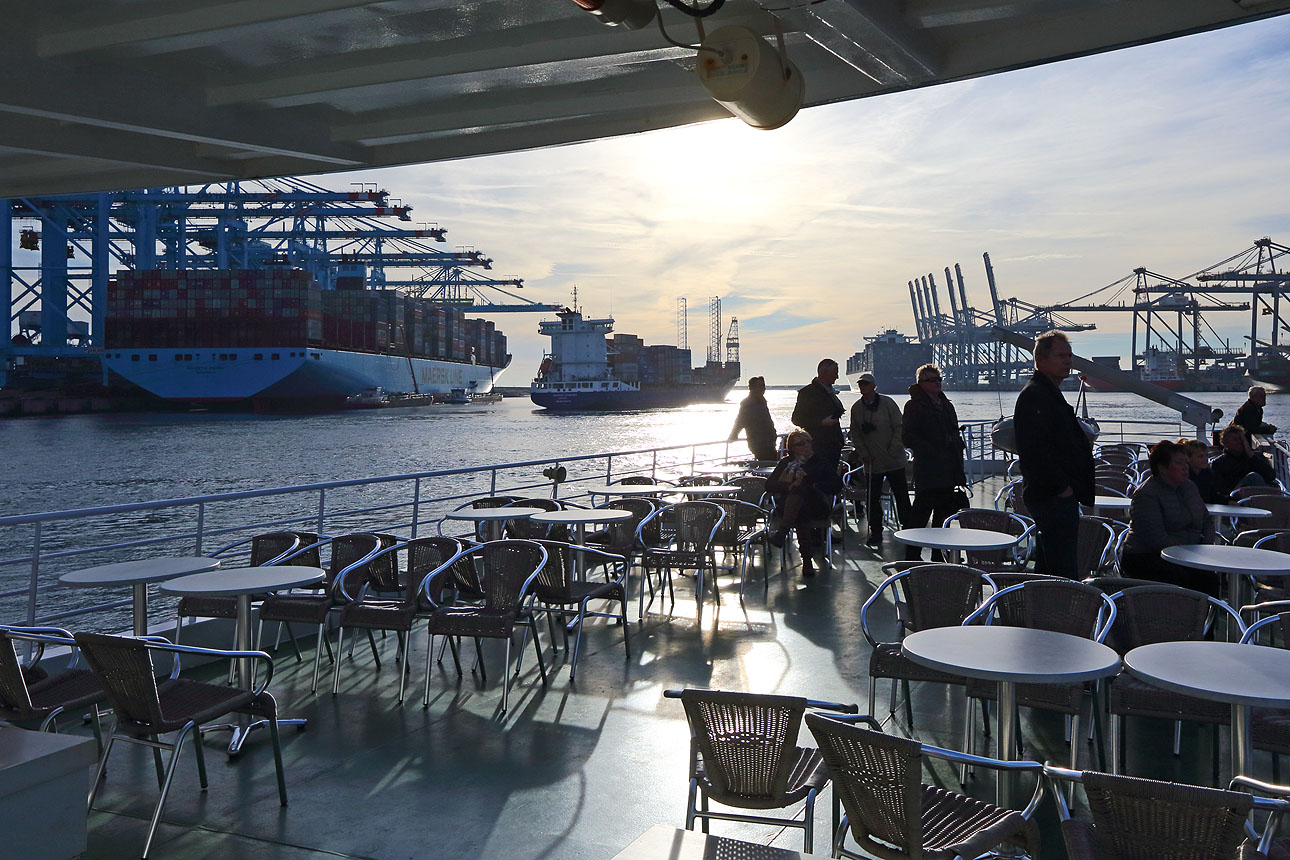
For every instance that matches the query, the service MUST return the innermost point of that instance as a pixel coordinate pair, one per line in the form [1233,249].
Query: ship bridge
[114,94]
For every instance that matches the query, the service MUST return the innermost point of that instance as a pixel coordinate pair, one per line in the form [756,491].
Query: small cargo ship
[273,339]
[892,358]
[588,370]
[1161,368]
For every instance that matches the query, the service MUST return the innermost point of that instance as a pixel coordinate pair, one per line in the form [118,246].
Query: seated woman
[1167,511]
[1239,465]
[1199,471]
[802,486]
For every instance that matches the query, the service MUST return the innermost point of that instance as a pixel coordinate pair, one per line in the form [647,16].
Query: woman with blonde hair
[802,486]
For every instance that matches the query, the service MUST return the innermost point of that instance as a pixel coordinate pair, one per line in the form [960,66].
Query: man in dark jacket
[931,430]
[1250,416]
[754,417]
[1056,457]
[818,412]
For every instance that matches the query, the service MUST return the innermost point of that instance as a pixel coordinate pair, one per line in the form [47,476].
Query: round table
[1008,656]
[138,574]
[242,583]
[1112,503]
[580,517]
[1220,511]
[625,490]
[702,491]
[1242,675]
[956,539]
[1230,560]
[492,520]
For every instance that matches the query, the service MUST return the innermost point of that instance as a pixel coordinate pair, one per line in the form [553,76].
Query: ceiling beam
[536,45]
[54,139]
[115,25]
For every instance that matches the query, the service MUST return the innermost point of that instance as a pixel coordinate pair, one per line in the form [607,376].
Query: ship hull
[290,374]
[628,400]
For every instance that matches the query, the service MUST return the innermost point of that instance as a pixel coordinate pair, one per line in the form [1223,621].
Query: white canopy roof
[129,93]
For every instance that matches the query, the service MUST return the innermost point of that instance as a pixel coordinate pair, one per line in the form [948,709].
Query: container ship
[892,358]
[273,339]
[591,368]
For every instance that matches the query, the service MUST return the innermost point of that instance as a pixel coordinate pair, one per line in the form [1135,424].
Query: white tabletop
[954,538]
[1119,503]
[624,489]
[487,514]
[722,469]
[1018,654]
[243,580]
[706,491]
[1238,511]
[575,516]
[1223,558]
[134,572]
[1219,671]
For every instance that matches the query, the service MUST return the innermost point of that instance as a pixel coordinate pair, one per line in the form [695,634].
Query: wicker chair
[620,538]
[1279,505]
[1160,613]
[744,754]
[559,594]
[480,503]
[314,606]
[28,694]
[743,526]
[752,489]
[996,521]
[700,481]
[1270,727]
[1093,543]
[636,481]
[146,709]
[1059,605]
[510,567]
[679,537]
[1145,818]
[526,529]
[265,549]
[930,595]
[892,814]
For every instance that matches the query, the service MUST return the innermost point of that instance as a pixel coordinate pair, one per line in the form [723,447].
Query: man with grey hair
[1250,416]
[1055,456]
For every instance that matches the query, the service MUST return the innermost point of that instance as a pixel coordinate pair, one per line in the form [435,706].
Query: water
[87,460]
[90,460]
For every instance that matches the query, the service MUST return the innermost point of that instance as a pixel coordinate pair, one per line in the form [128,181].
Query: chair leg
[1117,726]
[165,787]
[479,660]
[371,640]
[809,836]
[322,628]
[506,675]
[201,757]
[909,703]
[873,693]
[690,809]
[340,658]
[537,649]
[277,758]
[98,773]
[622,616]
[405,665]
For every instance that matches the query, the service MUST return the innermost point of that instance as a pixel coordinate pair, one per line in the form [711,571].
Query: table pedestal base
[241,731]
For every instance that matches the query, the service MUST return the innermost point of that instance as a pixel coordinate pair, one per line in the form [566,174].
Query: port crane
[57,302]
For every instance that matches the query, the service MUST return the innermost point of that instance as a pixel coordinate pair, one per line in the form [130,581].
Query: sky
[1171,156]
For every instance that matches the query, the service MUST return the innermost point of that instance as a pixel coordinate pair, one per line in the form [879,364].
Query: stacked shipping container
[166,308]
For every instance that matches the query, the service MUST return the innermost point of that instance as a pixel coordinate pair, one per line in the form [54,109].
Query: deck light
[749,77]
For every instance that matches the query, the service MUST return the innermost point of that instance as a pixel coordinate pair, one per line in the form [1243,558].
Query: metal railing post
[653,466]
[201,524]
[35,573]
[416,504]
[609,469]
[322,504]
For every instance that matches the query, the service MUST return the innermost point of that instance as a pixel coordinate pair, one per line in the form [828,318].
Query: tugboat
[588,371]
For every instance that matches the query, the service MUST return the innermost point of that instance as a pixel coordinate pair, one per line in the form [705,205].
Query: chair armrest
[157,643]
[839,707]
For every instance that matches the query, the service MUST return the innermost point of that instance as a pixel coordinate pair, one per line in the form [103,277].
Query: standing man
[1056,457]
[1250,416]
[876,433]
[754,417]
[931,431]
[819,412]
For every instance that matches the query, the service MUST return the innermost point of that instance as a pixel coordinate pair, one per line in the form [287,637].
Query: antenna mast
[714,330]
[682,332]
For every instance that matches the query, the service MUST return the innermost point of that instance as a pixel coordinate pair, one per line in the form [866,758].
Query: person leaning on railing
[1166,511]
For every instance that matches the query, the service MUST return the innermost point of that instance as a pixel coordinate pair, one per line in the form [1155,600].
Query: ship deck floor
[575,770]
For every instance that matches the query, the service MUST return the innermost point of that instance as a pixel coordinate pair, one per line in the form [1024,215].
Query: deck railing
[35,549]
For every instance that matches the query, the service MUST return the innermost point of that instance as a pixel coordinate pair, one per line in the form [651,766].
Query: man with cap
[754,417]
[876,433]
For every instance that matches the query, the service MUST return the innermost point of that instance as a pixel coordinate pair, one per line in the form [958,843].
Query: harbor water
[98,459]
